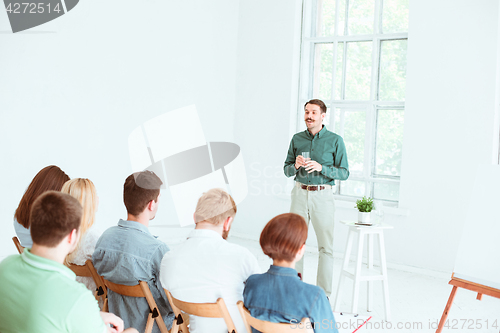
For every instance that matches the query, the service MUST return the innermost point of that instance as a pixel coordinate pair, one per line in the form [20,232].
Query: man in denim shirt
[127,253]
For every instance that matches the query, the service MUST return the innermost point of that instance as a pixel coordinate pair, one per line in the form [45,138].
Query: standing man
[312,195]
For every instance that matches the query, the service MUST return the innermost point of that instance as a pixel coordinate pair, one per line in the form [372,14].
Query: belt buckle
[309,186]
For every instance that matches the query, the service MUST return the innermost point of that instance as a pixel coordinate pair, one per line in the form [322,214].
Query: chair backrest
[209,310]
[18,245]
[268,327]
[88,270]
[141,289]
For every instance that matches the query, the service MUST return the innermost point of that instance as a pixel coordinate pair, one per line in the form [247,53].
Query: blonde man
[206,266]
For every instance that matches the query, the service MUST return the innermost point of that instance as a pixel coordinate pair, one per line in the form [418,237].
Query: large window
[353,57]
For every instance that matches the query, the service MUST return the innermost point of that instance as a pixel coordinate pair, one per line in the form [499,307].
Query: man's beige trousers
[319,208]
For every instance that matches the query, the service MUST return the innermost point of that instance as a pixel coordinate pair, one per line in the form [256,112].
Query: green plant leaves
[365,205]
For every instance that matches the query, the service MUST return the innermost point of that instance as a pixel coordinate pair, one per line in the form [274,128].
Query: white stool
[360,231]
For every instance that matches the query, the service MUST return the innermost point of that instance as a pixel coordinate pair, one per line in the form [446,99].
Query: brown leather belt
[314,187]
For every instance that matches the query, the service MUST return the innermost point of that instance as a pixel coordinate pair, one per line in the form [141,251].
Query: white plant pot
[364,217]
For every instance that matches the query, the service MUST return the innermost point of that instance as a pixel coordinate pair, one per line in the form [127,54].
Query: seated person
[84,191]
[128,252]
[206,266]
[39,293]
[279,295]
[50,178]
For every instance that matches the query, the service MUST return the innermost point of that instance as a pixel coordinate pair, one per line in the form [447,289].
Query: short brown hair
[319,103]
[283,236]
[53,216]
[215,206]
[139,189]
[50,178]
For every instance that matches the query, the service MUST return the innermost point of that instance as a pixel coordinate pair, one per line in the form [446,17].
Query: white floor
[417,299]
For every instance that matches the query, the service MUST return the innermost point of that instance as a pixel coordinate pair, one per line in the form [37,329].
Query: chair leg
[161,324]
[149,323]
[182,327]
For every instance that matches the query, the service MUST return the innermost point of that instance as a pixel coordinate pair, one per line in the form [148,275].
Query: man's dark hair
[317,102]
[139,189]
[53,216]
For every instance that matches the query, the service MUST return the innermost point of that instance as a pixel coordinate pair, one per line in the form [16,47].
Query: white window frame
[306,86]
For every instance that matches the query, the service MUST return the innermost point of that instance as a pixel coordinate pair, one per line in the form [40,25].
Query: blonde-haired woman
[84,191]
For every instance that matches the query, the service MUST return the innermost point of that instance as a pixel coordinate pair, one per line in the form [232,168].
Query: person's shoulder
[9,261]
[159,245]
[301,135]
[109,232]
[255,278]
[314,292]
[68,290]
[331,134]
[239,250]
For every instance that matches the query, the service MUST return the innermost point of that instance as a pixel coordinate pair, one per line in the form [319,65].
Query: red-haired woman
[50,178]
[279,295]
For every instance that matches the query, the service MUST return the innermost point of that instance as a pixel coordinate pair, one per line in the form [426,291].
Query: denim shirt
[23,234]
[125,254]
[280,296]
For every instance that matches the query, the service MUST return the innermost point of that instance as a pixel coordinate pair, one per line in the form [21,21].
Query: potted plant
[365,206]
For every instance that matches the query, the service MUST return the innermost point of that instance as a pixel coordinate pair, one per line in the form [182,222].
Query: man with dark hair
[127,253]
[37,292]
[312,195]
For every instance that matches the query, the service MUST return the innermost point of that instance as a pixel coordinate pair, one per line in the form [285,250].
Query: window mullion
[368,153]
[377,25]
[346,23]
[312,55]
[357,38]
[334,72]
[373,158]
[337,17]
[344,71]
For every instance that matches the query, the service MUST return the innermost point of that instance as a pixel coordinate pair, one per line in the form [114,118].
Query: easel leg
[446,309]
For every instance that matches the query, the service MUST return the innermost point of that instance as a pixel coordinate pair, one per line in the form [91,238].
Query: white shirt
[204,268]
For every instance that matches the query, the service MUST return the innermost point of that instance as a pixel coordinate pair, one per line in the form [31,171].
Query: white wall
[72,90]
[268,60]
[449,122]
[71,97]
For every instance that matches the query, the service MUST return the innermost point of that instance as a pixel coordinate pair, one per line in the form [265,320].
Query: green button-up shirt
[326,148]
